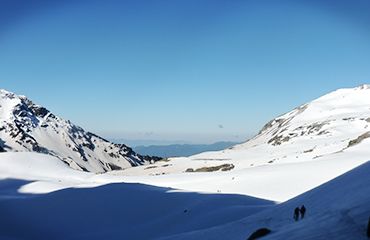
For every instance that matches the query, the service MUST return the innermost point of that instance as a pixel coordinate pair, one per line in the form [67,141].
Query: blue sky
[191,70]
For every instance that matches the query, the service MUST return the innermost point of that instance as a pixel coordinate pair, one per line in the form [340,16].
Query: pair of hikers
[299,211]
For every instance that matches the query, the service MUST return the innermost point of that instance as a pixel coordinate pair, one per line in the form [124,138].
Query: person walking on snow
[302,210]
[296,214]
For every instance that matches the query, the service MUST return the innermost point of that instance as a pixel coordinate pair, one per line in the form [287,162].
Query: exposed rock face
[25,126]
[359,139]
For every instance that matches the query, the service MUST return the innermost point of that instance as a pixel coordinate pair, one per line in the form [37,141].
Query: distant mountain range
[28,127]
[181,150]
[148,142]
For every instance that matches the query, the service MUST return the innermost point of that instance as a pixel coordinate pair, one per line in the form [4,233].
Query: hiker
[302,210]
[296,214]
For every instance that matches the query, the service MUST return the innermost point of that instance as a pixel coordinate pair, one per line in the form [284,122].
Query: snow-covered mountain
[25,126]
[331,126]
[308,156]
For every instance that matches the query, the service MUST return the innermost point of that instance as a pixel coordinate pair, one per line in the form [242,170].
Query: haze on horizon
[192,71]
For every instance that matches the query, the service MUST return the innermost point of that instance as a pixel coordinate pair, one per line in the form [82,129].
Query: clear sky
[192,70]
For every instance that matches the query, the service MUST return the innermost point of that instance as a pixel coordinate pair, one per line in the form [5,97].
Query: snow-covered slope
[331,126]
[337,210]
[25,126]
[89,207]
[44,173]
[292,154]
[276,182]
[328,125]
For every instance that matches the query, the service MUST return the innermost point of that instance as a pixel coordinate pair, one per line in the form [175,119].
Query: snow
[45,173]
[7,106]
[110,211]
[317,151]
[338,210]
[274,182]
[43,198]
[90,206]
[315,131]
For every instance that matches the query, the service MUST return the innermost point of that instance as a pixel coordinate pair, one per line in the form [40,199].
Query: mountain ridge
[26,126]
[332,125]
[181,150]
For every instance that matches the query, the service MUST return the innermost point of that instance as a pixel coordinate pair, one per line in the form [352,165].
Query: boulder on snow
[259,233]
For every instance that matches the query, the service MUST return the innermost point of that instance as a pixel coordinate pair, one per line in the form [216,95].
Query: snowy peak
[364,87]
[25,126]
[332,124]
[322,117]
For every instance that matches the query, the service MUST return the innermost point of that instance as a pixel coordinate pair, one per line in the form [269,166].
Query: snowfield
[338,209]
[90,206]
[317,155]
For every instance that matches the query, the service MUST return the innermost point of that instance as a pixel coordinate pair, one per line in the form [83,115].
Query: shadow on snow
[116,211]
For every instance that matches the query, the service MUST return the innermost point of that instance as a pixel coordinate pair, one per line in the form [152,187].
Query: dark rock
[359,139]
[114,167]
[39,111]
[259,233]
[278,140]
[223,167]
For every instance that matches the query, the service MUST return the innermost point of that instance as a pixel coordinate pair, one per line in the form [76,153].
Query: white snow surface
[92,206]
[317,155]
